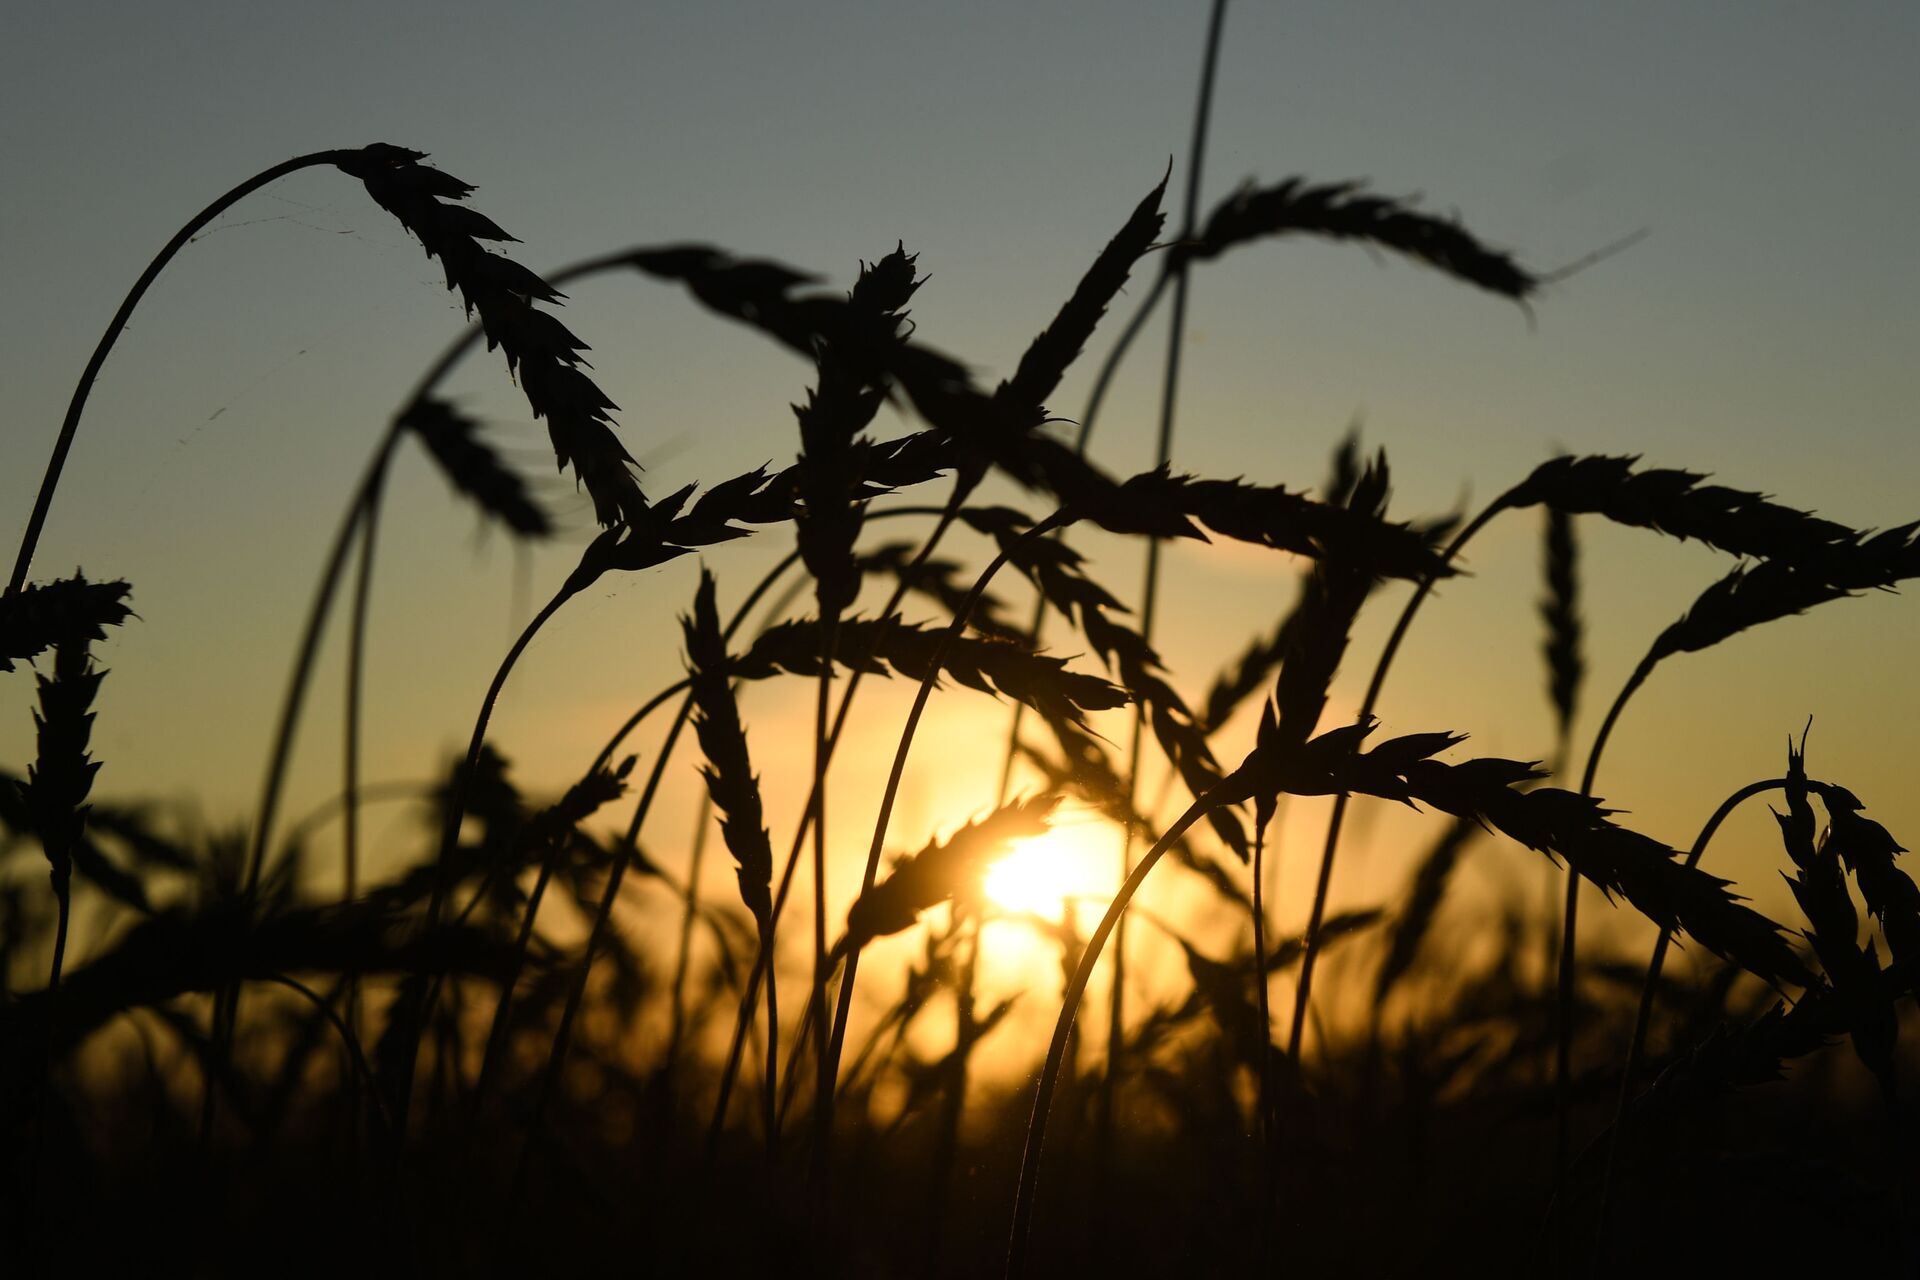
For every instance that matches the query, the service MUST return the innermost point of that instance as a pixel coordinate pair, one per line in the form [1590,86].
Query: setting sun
[1077,858]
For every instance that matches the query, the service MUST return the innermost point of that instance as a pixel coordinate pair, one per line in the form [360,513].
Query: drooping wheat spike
[61,776]
[729,772]
[1560,611]
[451,438]
[1137,668]
[1868,850]
[1056,571]
[1272,516]
[1738,1058]
[984,663]
[46,615]
[1744,599]
[1678,504]
[939,580]
[542,353]
[1346,211]
[755,291]
[1748,597]
[752,498]
[210,946]
[943,868]
[1647,873]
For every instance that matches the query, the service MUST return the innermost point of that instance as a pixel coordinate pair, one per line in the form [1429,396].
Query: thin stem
[829,1056]
[953,1102]
[63,900]
[356,666]
[1058,519]
[226,1001]
[280,754]
[1650,988]
[576,990]
[1310,947]
[347,1038]
[497,1028]
[70,425]
[1265,1048]
[496,1035]
[1062,1028]
[1163,454]
[456,805]
[457,793]
[677,992]
[1568,983]
[889,614]
[351,729]
[817,997]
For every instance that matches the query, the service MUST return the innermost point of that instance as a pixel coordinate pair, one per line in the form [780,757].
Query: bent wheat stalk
[830,1072]
[1063,1027]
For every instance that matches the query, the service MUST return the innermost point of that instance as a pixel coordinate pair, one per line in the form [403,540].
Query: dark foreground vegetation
[267,1062]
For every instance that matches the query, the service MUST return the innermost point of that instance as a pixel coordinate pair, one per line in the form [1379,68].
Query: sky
[1763,330]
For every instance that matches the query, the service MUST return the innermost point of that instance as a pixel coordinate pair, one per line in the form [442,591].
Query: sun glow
[1075,859]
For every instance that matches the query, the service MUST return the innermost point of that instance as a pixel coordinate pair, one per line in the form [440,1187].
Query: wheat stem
[1060,518]
[1650,986]
[1311,944]
[1062,1028]
[70,425]
[761,969]
[1163,454]
[677,991]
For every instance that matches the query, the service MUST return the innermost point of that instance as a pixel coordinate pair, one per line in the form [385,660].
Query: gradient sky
[1765,331]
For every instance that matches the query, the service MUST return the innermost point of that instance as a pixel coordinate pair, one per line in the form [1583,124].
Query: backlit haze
[1764,331]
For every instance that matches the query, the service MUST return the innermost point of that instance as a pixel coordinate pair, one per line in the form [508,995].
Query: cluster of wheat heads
[457,1048]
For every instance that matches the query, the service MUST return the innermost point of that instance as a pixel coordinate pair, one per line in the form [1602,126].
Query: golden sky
[1763,331]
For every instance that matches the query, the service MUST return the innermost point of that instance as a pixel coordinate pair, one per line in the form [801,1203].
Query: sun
[1043,871]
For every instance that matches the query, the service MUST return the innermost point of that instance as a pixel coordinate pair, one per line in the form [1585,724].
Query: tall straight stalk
[1163,454]
[678,992]
[953,1103]
[1265,1047]
[817,997]
[1568,983]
